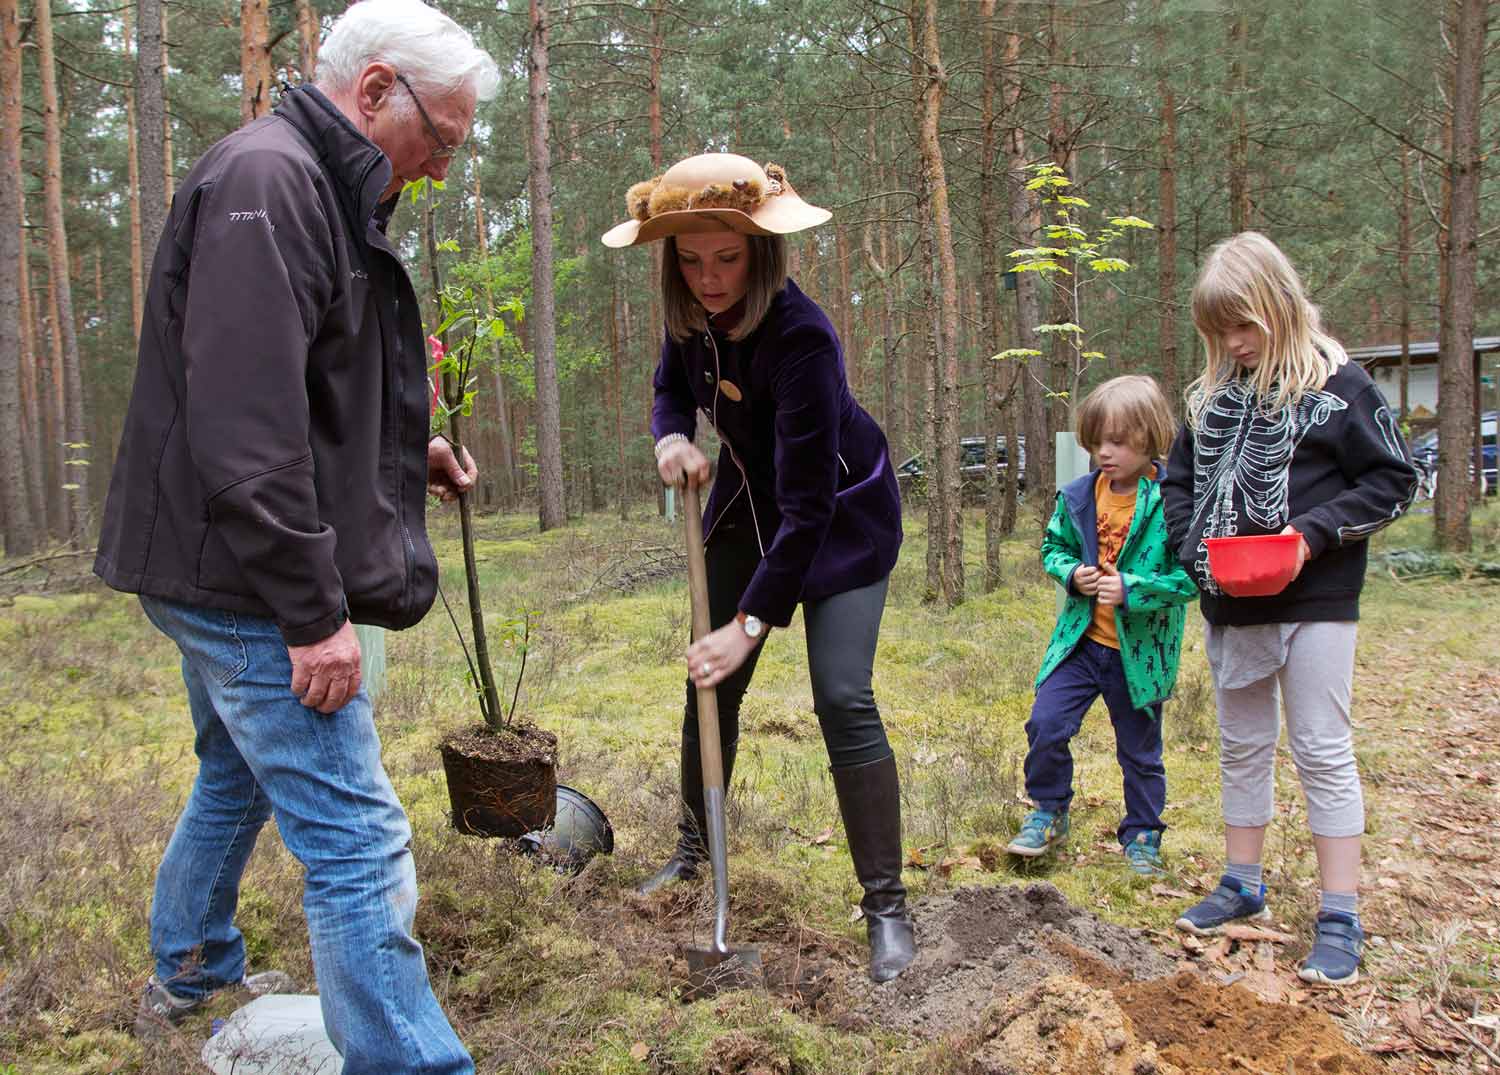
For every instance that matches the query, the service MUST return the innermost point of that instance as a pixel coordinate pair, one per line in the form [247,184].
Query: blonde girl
[1284,435]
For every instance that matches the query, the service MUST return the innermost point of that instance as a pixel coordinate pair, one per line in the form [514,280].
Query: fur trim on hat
[638,199]
[668,199]
[649,198]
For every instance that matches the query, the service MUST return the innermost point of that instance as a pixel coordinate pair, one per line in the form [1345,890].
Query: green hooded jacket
[1157,587]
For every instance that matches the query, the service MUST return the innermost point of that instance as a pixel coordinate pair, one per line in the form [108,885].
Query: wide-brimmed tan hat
[714,192]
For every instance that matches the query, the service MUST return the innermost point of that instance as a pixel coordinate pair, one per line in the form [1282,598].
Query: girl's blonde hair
[1131,407]
[1247,279]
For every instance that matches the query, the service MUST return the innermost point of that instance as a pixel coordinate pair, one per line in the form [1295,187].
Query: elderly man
[270,490]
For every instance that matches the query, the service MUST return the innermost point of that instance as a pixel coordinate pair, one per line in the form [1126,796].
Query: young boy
[1120,633]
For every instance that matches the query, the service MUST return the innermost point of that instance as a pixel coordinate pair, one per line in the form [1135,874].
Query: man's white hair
[433,52]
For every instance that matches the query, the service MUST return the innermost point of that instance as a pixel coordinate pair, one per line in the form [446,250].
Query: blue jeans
[1062,700]
[260,751]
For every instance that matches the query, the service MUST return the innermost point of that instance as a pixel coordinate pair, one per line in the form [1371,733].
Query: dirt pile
[1205,1028]
[1029,984]
[1060,1026]
[978,944]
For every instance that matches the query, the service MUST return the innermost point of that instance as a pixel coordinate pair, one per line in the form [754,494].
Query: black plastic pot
[578,833]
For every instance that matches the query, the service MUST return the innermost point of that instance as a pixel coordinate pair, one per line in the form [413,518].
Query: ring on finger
[705,669]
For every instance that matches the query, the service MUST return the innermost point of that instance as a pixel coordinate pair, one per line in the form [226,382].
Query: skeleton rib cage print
[1240,444]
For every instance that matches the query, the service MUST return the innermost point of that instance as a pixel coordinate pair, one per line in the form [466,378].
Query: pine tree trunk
[133,172]
[911,393]
[890,409]
[308,32]
[653,341]
[50,389]
[75,476]
[542,316]
[255,59]
[990,301]
[948,402]
[1025,223]
[1403,266]
[1239,140]
[33,420]
[1166,226]
[927,224]
[151,125]
[1066,371]
[930,383]
[1457,424]
[168,173]
[854,365]
[618,333]
[20,529]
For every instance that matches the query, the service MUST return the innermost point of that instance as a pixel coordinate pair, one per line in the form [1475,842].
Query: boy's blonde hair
[1130,407]
[1247,279]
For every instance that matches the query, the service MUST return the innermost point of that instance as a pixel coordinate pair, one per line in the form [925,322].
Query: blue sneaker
[1144,853]
[1334,959]
[1230,902]
[1040,832]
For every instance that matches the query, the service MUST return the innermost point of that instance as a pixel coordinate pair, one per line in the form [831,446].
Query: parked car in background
[1424,452]
[912,477]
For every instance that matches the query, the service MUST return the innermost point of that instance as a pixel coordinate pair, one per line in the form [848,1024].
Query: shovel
[719,966]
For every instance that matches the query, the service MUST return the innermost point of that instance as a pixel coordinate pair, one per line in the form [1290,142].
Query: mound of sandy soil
[1060,1026]
[1029,984]
[980,944]
[1205,1028]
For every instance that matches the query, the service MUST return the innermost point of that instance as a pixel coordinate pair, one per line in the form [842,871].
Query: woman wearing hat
[804,507]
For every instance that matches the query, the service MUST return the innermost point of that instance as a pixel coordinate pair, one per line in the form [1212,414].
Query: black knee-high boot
[692,851]
[870,801]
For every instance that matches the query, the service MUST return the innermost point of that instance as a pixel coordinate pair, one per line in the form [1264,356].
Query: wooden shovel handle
[708,698]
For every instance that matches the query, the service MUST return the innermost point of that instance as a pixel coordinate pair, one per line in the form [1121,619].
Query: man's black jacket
[274,454]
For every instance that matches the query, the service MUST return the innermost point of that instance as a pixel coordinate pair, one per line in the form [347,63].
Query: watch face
[752,626]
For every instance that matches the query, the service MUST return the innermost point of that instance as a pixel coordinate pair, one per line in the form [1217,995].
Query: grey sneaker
[160,1008]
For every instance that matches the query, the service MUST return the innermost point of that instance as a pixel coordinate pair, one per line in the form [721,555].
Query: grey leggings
[1311,667]
[841,634]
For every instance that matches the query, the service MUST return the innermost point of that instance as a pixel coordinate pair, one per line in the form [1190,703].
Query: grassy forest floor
[542,971]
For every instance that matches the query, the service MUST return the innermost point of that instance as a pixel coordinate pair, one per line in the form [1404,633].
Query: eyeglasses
[444,150]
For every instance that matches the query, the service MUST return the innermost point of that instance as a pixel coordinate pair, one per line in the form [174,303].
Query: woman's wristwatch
[752,626]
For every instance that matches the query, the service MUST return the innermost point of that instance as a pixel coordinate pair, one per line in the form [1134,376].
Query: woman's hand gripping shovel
[720,966]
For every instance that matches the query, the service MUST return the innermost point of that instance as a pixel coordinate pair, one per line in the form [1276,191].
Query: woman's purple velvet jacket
[802,463]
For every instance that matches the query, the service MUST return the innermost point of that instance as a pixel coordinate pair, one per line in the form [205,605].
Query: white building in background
[1384,365]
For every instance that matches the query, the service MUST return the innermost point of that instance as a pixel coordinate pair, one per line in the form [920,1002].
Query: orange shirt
[1114,511]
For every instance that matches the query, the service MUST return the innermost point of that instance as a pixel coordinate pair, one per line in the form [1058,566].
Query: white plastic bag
[277,1034]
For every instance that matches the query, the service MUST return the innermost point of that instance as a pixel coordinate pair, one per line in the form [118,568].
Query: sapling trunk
[489,697]
[453,392]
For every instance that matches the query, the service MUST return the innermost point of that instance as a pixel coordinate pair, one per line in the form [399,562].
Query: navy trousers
[1063,698]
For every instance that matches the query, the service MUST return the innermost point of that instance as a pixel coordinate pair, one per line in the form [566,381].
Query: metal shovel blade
[711,971]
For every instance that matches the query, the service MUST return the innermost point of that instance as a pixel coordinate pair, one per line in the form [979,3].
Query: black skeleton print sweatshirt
[1333,465]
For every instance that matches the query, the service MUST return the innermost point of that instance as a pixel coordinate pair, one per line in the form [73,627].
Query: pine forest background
[1354,132]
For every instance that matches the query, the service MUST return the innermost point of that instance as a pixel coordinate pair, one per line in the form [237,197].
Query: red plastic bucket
[1256,566]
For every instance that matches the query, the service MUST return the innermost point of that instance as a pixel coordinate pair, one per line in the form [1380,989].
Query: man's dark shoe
[161,1009]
